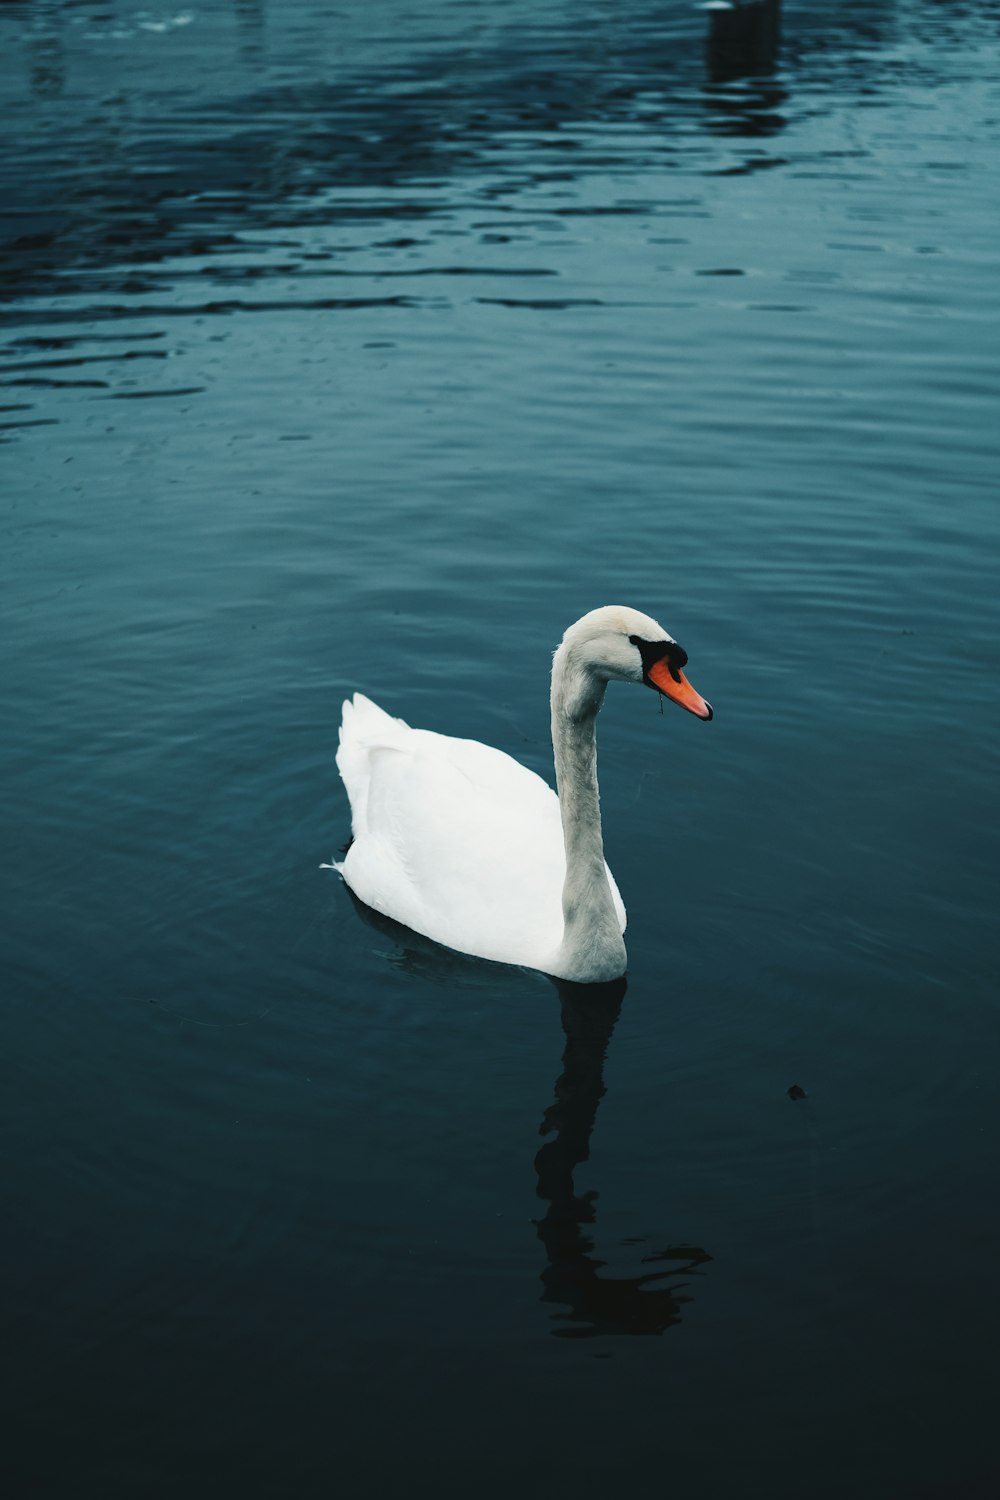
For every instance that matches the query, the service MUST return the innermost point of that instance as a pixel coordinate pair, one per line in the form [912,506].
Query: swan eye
[653,651]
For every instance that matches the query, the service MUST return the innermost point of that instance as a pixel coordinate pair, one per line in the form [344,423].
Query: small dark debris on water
[797,1092]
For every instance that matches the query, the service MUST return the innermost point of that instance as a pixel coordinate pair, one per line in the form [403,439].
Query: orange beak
[673,684]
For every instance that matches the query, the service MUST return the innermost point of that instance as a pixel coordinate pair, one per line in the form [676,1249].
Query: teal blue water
[366,350]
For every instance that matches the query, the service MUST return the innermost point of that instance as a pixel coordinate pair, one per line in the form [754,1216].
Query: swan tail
[364,728]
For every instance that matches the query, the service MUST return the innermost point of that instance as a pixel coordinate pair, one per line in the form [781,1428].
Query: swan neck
[592,948]
[574,744]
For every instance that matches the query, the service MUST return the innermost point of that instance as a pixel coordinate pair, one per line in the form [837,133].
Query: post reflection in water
[743,38]
[596,1304]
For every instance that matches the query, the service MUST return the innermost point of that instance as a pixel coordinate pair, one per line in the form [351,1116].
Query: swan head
[615,643]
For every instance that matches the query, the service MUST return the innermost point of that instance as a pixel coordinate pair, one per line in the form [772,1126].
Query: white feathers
[453,838]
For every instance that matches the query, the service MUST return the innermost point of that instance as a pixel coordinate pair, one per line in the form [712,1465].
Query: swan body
[465,845]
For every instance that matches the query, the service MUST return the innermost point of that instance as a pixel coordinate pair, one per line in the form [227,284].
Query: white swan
[463,844]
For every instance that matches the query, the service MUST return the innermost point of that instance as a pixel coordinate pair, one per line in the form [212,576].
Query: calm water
[366,347]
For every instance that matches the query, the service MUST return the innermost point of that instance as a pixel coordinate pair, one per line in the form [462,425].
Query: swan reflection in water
[593,1303]
[597,1304]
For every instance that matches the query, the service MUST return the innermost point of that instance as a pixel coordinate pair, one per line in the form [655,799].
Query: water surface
[366,349]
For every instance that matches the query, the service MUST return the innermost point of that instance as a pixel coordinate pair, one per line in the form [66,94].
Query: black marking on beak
[651,652]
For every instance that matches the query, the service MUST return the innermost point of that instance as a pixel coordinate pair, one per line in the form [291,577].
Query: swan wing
[453,838]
